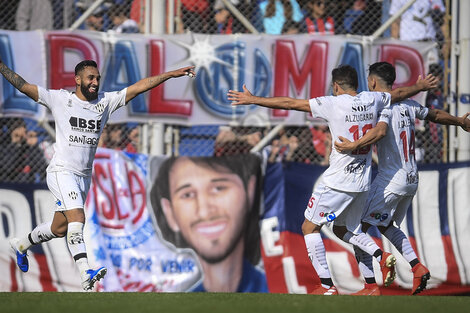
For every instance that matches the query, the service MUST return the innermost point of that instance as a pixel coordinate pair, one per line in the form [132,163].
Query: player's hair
[385,71]
[345,76]
[81,66]
[243,165]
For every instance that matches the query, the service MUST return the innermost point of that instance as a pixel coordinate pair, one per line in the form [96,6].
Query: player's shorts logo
[58,203]
[378,216]
[330,216]
[73,195]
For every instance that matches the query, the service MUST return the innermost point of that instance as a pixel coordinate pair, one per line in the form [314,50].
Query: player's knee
[59,231]
[340,231]
[383,229]
[308,227]
[365,227]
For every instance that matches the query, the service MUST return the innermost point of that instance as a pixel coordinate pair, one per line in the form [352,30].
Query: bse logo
[330,216]
[73,195]
[84,125]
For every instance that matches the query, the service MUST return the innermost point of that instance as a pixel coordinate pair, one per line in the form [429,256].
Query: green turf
[223,302]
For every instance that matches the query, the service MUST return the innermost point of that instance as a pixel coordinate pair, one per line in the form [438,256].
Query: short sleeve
[117,99]
[420,111]
[385,115]
[44,97]
[321,106]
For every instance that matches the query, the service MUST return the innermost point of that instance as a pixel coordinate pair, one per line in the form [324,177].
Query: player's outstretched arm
[285,103]
[18,82]
[402,93]
[148,83]
[442,117]
[371,137]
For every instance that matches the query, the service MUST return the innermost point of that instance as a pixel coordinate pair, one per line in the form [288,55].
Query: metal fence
[27,145]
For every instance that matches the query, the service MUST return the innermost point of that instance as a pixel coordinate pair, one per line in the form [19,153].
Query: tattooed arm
[148,83]
[18,82]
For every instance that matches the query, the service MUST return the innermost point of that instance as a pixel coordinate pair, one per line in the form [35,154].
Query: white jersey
[78,126]
[350,117]
[396,151]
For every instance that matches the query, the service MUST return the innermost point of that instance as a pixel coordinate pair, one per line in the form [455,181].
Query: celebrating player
[397,181]
[341,196]
[79,117]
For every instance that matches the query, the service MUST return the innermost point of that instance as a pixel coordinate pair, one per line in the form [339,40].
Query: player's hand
[344,145]
[428,83]
[466,122]
[188,70]
[238,97]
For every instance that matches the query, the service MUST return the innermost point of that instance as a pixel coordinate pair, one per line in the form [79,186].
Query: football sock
[365,243]
[403,245]
[317,254]
[366,267]
[41,233]
[77,247]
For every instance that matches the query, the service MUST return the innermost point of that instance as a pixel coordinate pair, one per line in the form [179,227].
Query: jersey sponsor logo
[84,125]
[356,166]
[330,216]
[362,107]
[378,216]
[84,140]
[73,195]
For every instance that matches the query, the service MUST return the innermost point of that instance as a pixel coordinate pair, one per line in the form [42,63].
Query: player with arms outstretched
[342,194]
[79,117]
[396,183]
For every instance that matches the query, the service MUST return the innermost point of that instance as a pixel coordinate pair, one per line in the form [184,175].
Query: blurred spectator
[303,150]
[133,140]
[195,15]
[416,23]
[230,142]
[114,139]
[97,19]
[352,14]
[34,14]
[119,15]
[317,21]
[321,139]
[291,27]
[7,19]
[138,13]
[226,23]
[21,160]
[363,18]
[276,13]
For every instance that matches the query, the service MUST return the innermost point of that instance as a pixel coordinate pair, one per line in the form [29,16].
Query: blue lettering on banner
[125,242]
[212,84]
[116,259]
[141,264]
[175,266]
[14,101]
[353,55]
[124,56]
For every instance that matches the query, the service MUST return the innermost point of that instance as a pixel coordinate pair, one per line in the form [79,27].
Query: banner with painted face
[298,66]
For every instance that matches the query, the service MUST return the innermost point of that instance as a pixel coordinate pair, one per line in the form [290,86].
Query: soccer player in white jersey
[79,117]
[396,183]
[343,192]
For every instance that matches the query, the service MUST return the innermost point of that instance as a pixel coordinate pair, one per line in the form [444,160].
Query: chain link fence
[27,144]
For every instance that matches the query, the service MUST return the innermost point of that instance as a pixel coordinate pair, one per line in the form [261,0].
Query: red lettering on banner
[58,44]
[137,187]
[286,66]
[116,194]
[158,104]
[101,206]
[407,57]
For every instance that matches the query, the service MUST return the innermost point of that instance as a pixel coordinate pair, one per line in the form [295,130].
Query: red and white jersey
[78,126]
[396,151]
[350,117]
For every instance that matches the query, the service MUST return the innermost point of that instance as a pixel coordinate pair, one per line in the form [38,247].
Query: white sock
[317,254]
[41,233]
[399,240]
[363,242]
[77,247]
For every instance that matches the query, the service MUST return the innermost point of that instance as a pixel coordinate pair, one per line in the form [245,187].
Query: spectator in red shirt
[316,20]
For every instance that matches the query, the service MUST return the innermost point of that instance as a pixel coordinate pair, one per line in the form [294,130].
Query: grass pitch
[35,302]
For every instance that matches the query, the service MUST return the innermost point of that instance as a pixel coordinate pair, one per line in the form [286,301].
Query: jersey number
[406,148]
[355,131]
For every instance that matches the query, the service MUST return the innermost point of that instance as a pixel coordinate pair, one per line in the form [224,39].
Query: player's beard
[87,94]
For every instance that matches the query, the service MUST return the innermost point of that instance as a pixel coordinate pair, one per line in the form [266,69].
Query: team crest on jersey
[99,107]
[330,216]
[73,195]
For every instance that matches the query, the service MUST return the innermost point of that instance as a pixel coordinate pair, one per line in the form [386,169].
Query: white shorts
[69,189]
[384,206]
[344,208]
